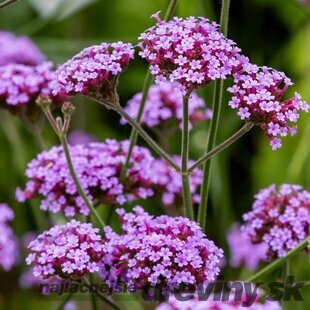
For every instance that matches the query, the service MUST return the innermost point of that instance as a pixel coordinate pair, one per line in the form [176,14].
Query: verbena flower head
[174,304]
[20,85]
[279,218]
[18,50]
[170,251]
[8,246]
[167,183]
[257,94]
[191,51]
[94,71]
[242,251]
[163,107]
[69,251]
[98,166]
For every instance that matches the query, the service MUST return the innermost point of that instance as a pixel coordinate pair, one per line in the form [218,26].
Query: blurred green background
[274,33]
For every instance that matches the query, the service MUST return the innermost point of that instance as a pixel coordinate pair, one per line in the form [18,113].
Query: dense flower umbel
[243,251]
[279,218]
[195,303]
[168,183]
[171,251]
[8,247]
[69,251]
[164,105]
[18,50]
[20,85]
[257,94]
[191,51]
[95,70]
[98,166]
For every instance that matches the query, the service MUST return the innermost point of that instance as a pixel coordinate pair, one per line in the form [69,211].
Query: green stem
[39,140]
[216,103]
[146,86]
[7,3]
[187,198]
[63,303]
[276,264]
[81,191]
[243,130]
[146,137]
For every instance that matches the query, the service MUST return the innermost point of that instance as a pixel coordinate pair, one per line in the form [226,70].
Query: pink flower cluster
[94,70]
[191,51]
[20,85]
[210,304]
[257,94]
[171,251]
[243,251]
[164,104]
[98,166]
[279,218]
[69,251]
[8,246]
[168,184]
[18,50]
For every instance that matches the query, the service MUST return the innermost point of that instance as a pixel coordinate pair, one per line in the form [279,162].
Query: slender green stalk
[187,198]
[146,137]
[217,102]
[63,303]
[146,86]
[277,263]
[39,140]
[93,302]
[102,297]
[7,3]
[81,191]
[243,130]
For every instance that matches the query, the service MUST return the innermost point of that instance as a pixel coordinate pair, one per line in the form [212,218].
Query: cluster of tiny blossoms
[69,251]
[98,166]
[8,246]
[18,50]
[94,70]
[279,218]
[243,251]
[20,85]
[164,104]
[170,251]
[210,304]
[257,94]
[191,51]
[168,183]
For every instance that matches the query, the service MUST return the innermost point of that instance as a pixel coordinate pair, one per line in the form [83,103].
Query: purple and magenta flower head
[69,251]
[242,251]
[163,108]
[98,166]
[191,51]
[170,251]
[257,94]
[94,71]
[8,245]
[280,218]
[18,50]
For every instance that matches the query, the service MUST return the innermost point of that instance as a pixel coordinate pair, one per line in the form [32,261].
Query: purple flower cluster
[257,94]
[18,50]
[210,304]
[191,51]
[8,246]
[94,70]
[171,251]
[69,251]
[243,251]
[98,166]
[20,85]
[279,218]
[164,104]
[168,183]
